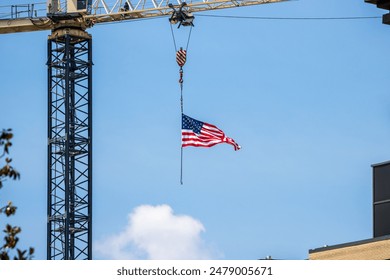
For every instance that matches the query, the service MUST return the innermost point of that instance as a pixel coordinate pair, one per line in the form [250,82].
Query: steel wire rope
[291,18]
[173,37]
[261,18]
[181,91]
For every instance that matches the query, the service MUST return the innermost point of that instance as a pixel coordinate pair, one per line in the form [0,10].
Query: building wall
[367,250]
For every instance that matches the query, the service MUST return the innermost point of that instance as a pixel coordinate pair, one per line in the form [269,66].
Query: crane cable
[181,58]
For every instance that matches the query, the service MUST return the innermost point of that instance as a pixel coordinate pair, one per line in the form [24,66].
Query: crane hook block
[180,16]
[181,57]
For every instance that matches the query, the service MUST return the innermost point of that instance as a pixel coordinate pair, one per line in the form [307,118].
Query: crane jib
[45,17]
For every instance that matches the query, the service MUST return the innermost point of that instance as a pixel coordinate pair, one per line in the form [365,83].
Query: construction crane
[69,64]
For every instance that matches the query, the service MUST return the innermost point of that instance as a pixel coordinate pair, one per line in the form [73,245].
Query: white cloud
[155,232]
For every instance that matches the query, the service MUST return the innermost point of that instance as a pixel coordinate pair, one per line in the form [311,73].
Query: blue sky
[306,99]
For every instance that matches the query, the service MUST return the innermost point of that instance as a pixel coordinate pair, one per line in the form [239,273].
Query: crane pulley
[181,16]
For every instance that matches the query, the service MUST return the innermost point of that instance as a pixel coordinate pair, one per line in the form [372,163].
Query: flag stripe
[201,136]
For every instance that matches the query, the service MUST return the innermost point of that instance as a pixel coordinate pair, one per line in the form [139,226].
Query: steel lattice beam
[69,225]
[105,11]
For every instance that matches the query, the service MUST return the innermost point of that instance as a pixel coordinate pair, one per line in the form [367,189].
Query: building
[378,247]
[370,249]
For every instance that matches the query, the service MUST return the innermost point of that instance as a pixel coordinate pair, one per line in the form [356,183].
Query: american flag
[201,134]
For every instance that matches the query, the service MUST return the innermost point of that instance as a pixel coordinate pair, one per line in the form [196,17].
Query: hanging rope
[189,37]
[173,37]
[181,58]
